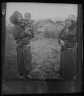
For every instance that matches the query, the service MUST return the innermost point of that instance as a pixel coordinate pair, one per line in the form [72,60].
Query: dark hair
[13,19]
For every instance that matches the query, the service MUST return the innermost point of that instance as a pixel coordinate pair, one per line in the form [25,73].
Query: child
[28,24]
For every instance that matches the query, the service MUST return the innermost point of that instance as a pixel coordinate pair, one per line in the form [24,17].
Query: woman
[68,41]
[23,48]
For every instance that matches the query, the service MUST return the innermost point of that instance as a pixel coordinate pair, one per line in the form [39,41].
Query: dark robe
[23,51]
[68,54]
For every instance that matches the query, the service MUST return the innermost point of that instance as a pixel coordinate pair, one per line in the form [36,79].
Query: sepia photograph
[40,44]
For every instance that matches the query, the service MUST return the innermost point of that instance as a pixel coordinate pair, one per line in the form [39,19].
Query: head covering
[71,17]
[16,17]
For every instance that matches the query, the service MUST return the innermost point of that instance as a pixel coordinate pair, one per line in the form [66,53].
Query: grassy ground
[45,57]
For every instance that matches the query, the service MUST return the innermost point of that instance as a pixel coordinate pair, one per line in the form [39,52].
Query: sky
[42,10]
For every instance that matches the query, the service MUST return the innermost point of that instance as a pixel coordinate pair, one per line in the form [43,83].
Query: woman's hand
[62,42]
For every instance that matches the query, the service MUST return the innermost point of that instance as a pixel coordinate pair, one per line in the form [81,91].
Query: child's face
[27,16]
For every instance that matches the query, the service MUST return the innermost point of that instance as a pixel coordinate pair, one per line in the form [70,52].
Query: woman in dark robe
[68,41]
[23,45]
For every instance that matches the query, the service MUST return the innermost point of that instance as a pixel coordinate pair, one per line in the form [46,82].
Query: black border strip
[52,84]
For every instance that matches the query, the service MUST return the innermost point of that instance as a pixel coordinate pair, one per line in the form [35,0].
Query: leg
[27,59]
[20,63]
[68,64]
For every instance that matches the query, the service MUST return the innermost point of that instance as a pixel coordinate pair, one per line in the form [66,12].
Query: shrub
[51,31]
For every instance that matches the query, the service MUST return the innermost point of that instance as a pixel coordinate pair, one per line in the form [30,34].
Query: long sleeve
[15,32]
[32,31]
[22,35]
[29,30]
[18,33]
[62,35]
[69,35]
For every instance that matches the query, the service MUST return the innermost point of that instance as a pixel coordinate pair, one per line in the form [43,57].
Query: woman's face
[20,18]
[68,23]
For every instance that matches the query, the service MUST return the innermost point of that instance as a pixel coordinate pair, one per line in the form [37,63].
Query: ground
[45,58]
